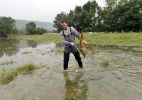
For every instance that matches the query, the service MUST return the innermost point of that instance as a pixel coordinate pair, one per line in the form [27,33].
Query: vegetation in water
[8,75]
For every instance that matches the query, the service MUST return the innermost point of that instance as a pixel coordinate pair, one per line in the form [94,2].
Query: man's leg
[78,59]
[66,60]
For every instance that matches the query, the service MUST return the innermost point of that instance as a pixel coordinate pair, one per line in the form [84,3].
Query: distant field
[130,39]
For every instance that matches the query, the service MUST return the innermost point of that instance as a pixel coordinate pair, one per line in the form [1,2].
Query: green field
[128,39]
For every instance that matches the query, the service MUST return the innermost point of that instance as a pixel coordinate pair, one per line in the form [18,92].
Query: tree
[87,17]
[82,18]
[108,16]
[76,18]
[129,16]
[40,30]
[94,12]
[99,27]
[7,26]
[70,17]
[122,2]
[61,16]
[30,28]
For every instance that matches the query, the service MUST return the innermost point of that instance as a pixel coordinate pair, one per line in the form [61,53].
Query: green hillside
[46,25]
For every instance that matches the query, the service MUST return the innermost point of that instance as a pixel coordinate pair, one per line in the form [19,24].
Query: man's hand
[72,44]
[84,42]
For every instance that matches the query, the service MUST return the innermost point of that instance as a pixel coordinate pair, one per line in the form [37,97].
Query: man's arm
[77,34]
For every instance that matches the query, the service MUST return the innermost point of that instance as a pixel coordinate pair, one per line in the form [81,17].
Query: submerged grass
[105,63]
[6,62]
[8,75]
[132,39]
[26,52]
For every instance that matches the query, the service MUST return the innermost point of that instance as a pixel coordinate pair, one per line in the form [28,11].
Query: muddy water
[121,79]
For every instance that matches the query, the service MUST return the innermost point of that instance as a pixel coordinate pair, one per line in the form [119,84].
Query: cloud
[37,10]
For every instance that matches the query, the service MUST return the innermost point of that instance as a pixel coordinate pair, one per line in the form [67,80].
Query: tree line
[7,27]
[115,16]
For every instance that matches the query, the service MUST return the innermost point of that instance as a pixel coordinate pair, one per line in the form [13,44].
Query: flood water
[110,73]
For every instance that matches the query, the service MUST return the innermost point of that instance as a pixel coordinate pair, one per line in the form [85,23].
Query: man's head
[64,24]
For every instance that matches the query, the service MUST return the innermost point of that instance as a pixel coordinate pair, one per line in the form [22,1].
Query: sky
[39,10]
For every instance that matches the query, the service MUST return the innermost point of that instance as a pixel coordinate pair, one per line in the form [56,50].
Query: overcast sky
[39,10]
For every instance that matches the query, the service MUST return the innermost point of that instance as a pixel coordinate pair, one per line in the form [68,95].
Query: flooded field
[110,72]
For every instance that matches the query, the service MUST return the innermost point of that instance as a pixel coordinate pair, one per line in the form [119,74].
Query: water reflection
[32,44]
[76,89]
[8,46]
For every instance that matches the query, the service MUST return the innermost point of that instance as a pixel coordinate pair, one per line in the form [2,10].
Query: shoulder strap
[64,34]
[71,31]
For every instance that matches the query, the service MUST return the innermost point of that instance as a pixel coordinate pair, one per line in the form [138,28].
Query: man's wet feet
[80,67]
[65,69]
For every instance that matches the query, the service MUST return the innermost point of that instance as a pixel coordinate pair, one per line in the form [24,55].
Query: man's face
[64,25]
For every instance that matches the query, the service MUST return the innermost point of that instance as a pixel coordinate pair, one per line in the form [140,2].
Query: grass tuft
[105,63]
[6,62]
[7,76]
[28,68]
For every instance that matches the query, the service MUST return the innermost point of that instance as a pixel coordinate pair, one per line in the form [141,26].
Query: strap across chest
[70,31]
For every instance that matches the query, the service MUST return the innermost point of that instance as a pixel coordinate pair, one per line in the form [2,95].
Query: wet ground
[110,73]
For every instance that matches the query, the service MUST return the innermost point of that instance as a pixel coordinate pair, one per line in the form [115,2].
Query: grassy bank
[132,39]
[46,37]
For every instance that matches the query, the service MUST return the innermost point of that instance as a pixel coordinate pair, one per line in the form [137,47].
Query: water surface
[121,79]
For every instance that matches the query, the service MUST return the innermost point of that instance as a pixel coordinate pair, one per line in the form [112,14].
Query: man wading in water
[68,37]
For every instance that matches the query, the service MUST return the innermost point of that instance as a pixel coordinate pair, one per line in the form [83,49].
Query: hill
[46,25]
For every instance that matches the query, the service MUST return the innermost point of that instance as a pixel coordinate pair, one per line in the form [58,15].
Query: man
[68,37]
